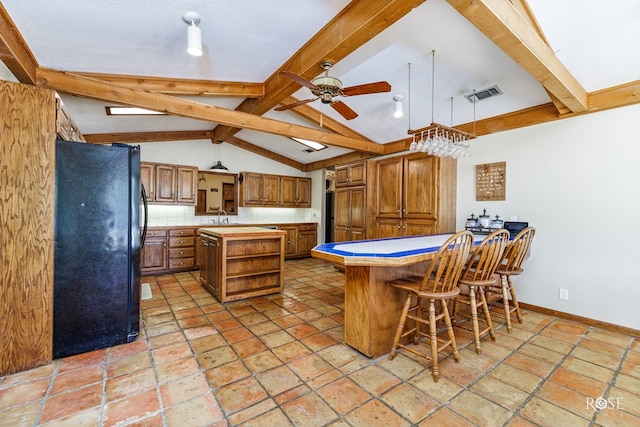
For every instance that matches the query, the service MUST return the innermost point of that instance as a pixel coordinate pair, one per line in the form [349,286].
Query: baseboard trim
[586,320]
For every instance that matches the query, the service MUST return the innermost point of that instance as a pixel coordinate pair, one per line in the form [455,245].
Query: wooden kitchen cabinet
[295,192]
[241,262]
[210,273]
[169,250]
[350,214]
[258,189]
[182,250]
[307,239]
[148,180]
[300,239]
[351,174]
[415,194]
[153,257]
[169,184]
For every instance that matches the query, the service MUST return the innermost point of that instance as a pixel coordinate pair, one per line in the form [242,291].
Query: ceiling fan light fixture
[194,34]
[398,110]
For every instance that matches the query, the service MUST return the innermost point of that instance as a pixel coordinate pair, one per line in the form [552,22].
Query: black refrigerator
[97,247]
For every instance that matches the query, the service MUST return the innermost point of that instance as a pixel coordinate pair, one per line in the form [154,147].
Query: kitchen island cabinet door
[210,271]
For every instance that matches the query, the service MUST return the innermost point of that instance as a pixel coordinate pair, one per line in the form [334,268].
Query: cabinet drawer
[182,232]
[176,264]
[181,242]
[181,253]
[156,233]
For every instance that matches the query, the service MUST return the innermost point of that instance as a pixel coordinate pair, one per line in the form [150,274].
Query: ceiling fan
[325,88]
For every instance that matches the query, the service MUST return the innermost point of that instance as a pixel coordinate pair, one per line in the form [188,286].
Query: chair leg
[505,301]
[452,337]
[418,332]
[433,334]
[487,315]
[514,299]
[403,318]
[474,318]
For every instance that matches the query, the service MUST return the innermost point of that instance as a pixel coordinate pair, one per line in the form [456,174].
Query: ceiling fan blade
[295,104]
[364,89]
[296,78]
[344,110]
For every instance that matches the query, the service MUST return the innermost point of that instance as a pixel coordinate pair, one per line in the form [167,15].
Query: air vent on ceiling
[483,94]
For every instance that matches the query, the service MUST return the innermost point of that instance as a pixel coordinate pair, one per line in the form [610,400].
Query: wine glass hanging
[440,140]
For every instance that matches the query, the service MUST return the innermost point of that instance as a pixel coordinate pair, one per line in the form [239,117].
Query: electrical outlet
[563,294]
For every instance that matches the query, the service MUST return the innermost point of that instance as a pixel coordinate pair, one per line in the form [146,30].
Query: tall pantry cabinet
[414,194]
[350,200]
[27,162]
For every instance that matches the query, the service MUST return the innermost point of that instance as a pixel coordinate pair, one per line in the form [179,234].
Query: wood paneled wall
[27,161]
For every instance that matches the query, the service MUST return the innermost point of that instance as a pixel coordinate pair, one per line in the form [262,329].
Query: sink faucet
[225,219]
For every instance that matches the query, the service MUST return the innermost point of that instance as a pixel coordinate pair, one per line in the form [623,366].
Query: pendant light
[219,167]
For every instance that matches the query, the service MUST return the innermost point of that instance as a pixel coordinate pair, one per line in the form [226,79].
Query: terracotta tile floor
[279,360]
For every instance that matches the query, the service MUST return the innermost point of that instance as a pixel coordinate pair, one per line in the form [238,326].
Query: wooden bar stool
[511,265]
[440,283]
[479,273]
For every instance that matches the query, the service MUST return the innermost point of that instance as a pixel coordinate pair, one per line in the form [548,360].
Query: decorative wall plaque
[491,179]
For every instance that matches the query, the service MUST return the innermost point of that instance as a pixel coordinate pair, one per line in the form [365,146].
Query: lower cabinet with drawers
[168,249]
[174,249]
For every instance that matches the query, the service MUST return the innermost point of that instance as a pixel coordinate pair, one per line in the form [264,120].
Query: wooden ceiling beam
[516,36]
[14,52]
[357,23]
[97,89]
[173,86]
[141,137]
[338,160]
[241,143]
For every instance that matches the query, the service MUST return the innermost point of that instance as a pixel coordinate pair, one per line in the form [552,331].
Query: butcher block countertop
[240,231]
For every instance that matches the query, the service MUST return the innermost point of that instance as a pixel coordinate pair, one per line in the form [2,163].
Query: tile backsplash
[168,215]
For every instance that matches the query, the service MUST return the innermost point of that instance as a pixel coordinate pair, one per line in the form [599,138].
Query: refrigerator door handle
[143,236]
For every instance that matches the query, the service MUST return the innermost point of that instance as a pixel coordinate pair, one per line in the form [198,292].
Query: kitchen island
[241,262]
[371,308]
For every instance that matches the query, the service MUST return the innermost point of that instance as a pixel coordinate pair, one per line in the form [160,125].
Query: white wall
[5,74]
[204,154]
[577,181]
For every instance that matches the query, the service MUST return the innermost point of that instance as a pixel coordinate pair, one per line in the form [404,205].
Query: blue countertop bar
[384,252]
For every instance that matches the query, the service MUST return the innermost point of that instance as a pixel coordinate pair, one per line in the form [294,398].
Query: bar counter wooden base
[371,308]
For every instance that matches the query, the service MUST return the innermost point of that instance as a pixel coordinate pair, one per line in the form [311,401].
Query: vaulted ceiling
[551,60]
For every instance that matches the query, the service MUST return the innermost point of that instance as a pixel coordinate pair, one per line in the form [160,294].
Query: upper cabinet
[295,192]
[257,189]
[170,184]
[415,194]
[266,190]
[351,174]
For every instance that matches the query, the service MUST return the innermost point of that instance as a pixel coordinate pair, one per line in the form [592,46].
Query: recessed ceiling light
[131,111]
[311,144]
